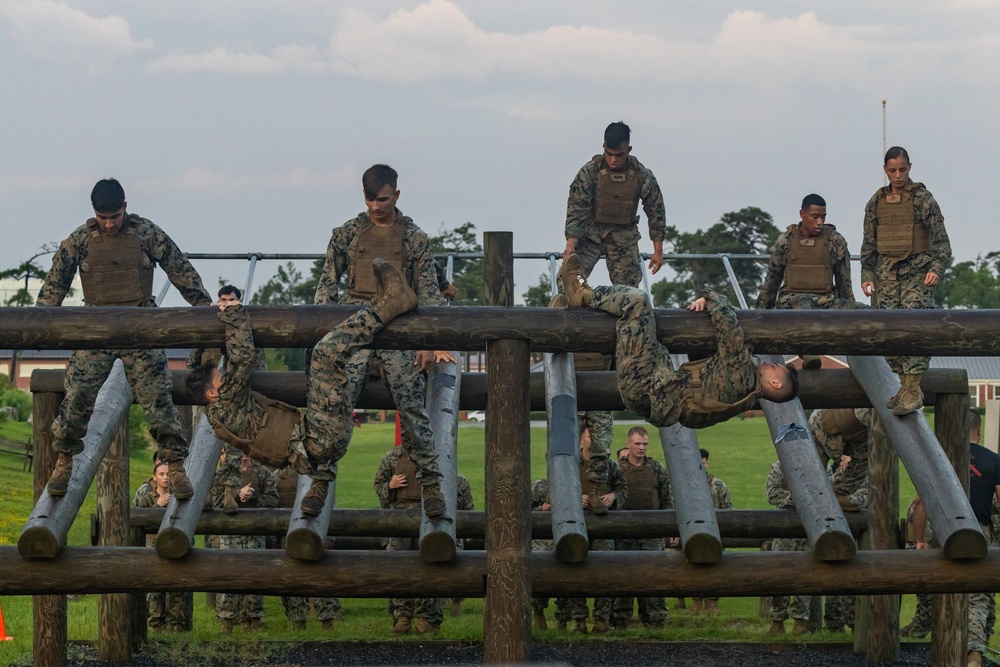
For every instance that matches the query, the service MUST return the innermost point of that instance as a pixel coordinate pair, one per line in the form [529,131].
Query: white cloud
[285,59]
[40,183]
[55,31]
[200,179]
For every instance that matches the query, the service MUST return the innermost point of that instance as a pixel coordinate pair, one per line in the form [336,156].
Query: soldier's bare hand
[698,305]
[163,499]
[546,507]
[608,499]
[222,304]
[397,482]
[655,262]
[868,288]
[569,249]
[586,501]
[931,279]
[449,292]
[246,493]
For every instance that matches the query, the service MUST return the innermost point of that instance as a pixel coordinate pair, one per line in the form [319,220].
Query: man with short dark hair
[116,254]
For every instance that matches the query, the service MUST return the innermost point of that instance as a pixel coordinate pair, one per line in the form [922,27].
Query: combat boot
[696,604]
[433,500]
[298,625]
[315,499]
[580,628]
[226,626]
[777,628]
[597,505]
[393,296]
[425,627]
[811,362]
[600,626]
[891,403]
[59,479]
[712,607]
[538,620]
[910,398]
[912,630]
[180,485]
[578,292]
[229,503]
[401,626]
[253,625]
[799,627]
[328,625]
[559,301]
[975,659]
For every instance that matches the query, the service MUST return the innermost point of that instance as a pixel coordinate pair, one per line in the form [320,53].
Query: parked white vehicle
[475,416]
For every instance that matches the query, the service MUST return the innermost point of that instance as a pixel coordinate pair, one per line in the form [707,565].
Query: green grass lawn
[741,453]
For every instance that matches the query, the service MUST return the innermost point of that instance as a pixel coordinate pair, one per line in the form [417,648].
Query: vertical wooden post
[114,613]
[883,524]
[49,633]
[862,605]
[507,605]
[137,606]
[950,612]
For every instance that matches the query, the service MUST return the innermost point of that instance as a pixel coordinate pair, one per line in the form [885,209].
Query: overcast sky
[243,126]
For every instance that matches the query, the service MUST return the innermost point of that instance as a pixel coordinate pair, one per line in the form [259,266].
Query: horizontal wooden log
[380,574]
[857,332]
[596,390]
[756,524]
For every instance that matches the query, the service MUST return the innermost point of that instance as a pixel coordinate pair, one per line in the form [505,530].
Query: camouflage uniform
[721,500]
[171,610]
[539,497]
[651,609]
[235,606]
[577,607]
[402,376]
[779,496]
[984,478]
[900,283]
[619,243]
[648,383]
[920,624]
[602,433]
[146,370]
[228,473]
[774,293]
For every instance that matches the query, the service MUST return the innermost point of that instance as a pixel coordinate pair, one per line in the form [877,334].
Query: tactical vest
[589,487]
[374,242]
[617,199]
[270,447]
[809,269]
[112,273]
[842,422]
[591,361]
[701,411]
[411,492]
[643,494]
[899,235]
[248,478]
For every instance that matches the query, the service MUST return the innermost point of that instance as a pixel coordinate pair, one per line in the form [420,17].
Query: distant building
[30,360]
[10,286]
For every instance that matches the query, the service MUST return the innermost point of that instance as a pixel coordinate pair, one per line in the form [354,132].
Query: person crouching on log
[273,432]
[700,393]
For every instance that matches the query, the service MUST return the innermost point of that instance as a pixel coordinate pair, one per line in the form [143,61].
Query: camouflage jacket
[777,490]
[387,496]
[850,481]
[146,494]
[540,494]
[259,477]
[774,282]
[157,248]
[580,207]
[659,474]
[417,256]
[937,258]
[616,482]
[721,500]
[236,408]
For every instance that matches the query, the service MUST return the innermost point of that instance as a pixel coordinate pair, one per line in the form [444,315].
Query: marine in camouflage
[165,610]
[774,293]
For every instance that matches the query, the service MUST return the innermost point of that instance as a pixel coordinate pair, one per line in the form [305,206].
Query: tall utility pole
[885,180]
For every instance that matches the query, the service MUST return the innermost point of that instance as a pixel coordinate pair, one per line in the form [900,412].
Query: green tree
[25,271]
[467,272]
[747,231]
[539,295]
[974,284]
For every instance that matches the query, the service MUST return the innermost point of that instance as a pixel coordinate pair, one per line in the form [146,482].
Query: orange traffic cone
[3,630]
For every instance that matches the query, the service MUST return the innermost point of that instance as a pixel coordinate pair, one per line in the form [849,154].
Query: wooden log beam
[697,521]
[596,390]
[815,501]
[562,457]
[46,529]
[948,508]
[306,536]
[636,524]
[444,385]
[381,574]
[856,332]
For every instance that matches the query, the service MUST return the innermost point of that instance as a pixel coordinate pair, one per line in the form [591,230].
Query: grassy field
[741,453]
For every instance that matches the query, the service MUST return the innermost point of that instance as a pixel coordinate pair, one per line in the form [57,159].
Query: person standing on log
[810,267]
[903,256]
[383,231]
[116,254]
[700,393]
[273,432]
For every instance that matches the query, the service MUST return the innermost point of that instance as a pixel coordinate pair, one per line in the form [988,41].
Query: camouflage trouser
[426,608]
[620,244]
[541,604]
[921,621]
[337,376]
[651,610]
[233,606]
[981,607]
[297,608]
[577,607]
[907,292]
[798,605]
[170,609]
[646,377]
[839,611]
[149,378]
[602,435]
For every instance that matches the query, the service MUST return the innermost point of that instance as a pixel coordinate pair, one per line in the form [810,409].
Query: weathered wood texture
[883,520]
[697,521]
[306,537]
[562,457]
[947,504]
[810,486]
[49,627]
[46,529]
[596,390]
[638,524]
[950,611]
[856,332]
[507,608]
[437,536]
[382,574]
[114,611]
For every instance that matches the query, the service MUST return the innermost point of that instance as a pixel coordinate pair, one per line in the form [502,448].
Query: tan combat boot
[401,626]
[811,362]
[253,625]
[180,485]
[578,292]
[393,296]
[696,604]
[975,659]
[538,620]
[226,627]
[229,502]
[425,627]
[600,626]
[328,625]
[777,628]
[799,627]
[910,398]
[559,301]
[433,500]
[712,607]
[315,498]
[59,479]
[580,628]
